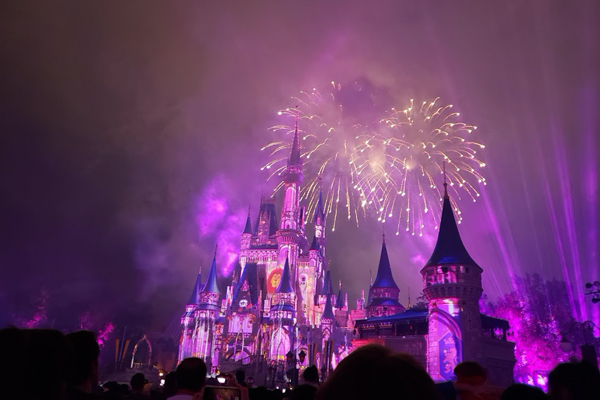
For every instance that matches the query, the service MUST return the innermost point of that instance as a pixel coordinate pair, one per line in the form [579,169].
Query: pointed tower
[194,299]
[319,221]
[282,316]
[328,323]
[292,178]
[291,232]
[187,320]
[206,316]
[339,300]
[245,242]
[327,289]
[384,293]
[452,286]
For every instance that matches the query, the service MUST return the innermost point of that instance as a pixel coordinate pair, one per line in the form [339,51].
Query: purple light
[219,221]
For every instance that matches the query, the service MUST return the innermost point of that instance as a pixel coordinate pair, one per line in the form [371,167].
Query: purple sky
[131,135]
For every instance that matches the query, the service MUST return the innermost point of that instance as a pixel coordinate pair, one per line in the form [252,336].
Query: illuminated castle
[282,302]
[280,310]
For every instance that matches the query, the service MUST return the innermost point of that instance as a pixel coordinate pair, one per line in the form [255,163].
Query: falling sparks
[427,136]
[388,164]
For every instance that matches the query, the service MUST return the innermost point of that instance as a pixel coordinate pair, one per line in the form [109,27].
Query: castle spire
[339,303]
[328,310]
[209,296]
[327,285]
[295,158]
[384,278]
[285,285]
[248,227]
[383,294]
[449,248]
[211,285]
[195,295]
[319,217]
[445,184]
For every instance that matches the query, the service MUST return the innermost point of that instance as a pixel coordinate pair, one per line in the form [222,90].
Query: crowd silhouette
[46,364]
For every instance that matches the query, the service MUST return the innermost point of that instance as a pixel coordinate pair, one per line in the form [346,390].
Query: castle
[281,312]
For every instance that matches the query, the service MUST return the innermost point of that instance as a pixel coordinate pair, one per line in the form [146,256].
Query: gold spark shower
[427,136]
[378,161]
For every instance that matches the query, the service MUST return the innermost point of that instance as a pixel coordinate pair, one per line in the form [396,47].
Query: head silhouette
[191,374]
[375,372]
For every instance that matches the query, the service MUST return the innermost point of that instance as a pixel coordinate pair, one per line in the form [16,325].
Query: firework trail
[428,140]
[334,128]
[377,161]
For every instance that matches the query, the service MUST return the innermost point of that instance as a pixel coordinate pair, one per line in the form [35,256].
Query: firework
[371,160]
[428,140]
[335,144]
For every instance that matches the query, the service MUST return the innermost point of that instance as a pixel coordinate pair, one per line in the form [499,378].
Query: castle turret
[291,232]
[292,178]
[245,241]
[384,293]
[247,233]
[327,326]
[209,296]
[339,300]
[187,320]
[194,299]
[283,315]
[320,221]
[206,315]
[452,286]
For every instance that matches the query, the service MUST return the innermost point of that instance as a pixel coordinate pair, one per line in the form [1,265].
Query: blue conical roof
[327,285]
[248,227]
[295,158]
[320,209]
[384,278]
[328,311]
[195,295]
[211,285]
[339,303]
[285,285]
[449,248]
[250,275]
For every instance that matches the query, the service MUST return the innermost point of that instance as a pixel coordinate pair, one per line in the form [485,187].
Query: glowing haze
[131,137]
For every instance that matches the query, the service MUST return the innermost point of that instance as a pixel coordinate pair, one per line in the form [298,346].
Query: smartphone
[221,393]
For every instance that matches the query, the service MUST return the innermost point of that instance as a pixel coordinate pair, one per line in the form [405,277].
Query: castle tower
[384,293]
[310,281]
[291,226]
[282,316]
[245,243]
[206,315]
[327,326]
[320,221]
[187,320]
[244,310]
[452,286]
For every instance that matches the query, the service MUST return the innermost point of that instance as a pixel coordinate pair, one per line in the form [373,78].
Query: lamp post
[593,289]
[588,349]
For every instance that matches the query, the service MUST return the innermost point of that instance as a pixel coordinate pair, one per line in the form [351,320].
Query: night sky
[131,136]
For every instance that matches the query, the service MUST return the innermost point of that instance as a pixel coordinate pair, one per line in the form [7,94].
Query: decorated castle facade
[280,309]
